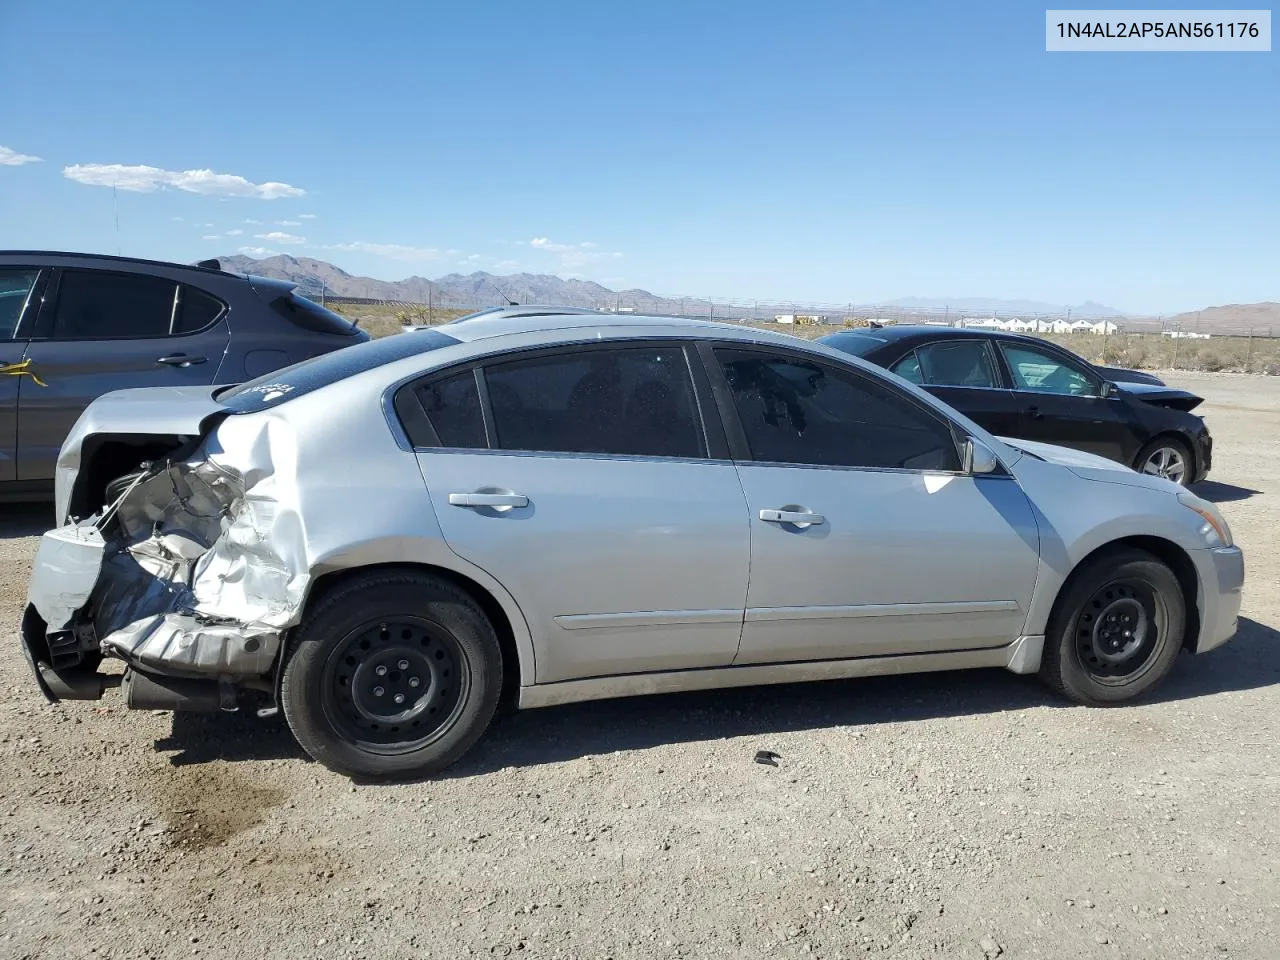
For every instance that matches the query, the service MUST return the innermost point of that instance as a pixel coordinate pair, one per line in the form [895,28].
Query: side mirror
[979,458]
[1108,390]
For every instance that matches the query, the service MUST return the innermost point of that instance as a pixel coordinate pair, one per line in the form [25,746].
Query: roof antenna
[507,300]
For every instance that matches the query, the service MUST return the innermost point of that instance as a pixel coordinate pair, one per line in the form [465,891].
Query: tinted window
[196,310]
[798,411]
[275,388]
[308,315]
[909,368]
[15,288]
[958,363]
[95,305]
[1045,373]
[453,407]
[632,401]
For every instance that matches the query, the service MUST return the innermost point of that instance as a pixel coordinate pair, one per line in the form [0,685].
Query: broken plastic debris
[768,757]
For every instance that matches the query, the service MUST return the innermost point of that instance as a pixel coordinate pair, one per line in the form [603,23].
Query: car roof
[901,332]
[501,323]
[111,258]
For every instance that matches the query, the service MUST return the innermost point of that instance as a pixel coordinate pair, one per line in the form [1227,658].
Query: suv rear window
[275,388]
[309,315]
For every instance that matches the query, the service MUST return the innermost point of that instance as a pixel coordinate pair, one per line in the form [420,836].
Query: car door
[104,330]
[964,374]
[867,538]
[582,480]
[19,300]
[1060,401]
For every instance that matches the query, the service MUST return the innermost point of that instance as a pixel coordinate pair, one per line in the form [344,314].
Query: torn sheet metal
[205,565]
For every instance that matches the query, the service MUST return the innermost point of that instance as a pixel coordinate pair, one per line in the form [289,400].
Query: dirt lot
[951,815]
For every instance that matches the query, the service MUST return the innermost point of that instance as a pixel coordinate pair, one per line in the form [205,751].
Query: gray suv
[75,326]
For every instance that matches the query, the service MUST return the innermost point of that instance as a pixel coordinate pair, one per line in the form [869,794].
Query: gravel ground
[947,815]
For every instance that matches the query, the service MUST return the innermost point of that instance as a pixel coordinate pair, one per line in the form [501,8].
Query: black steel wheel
[393,686]
[392,674]
[1116,630]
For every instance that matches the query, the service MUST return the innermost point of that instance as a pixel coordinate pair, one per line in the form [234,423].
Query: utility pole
[431,313]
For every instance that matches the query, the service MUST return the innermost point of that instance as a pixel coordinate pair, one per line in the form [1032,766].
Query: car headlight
[1214,529]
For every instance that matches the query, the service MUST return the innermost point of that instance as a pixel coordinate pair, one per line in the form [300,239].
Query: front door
[17,305]
[964,374]
[1061,402]
[583,485]
[867,539]
[101,331]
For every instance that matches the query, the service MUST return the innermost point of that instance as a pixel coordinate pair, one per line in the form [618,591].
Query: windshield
[275,388]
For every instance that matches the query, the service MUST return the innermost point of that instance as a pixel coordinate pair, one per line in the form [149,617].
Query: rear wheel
[392,674]
[1166,457]
[1117,630]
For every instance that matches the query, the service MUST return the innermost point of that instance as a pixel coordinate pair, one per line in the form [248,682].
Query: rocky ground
[948,815]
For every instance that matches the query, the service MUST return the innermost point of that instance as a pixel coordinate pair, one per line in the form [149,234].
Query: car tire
[1116,630]
[391,675]
[1166,450]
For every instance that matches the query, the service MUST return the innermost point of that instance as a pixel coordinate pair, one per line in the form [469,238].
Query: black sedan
[1031,389]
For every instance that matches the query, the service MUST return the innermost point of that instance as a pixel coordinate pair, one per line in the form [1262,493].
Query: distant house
[784,318]
[1104,327]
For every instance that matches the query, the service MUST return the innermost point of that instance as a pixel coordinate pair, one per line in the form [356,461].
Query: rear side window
[957,363]
[309,315]
[96,305]
[196,310]
[632,401]
[453,407]
[15,289]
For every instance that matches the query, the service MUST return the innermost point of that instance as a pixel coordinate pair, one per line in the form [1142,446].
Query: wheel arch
[1168,553]
[518,667]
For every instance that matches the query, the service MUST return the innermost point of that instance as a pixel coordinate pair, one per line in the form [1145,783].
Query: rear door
[1060,401]
[584,481]
[966,375]
[19,301]
[104,330]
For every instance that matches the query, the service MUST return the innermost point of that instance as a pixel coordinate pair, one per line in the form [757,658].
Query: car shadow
[1222,492]
[24,519]
[558,734]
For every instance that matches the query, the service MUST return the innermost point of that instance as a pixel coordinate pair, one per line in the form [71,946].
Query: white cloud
[234,233]
[208,226]
[277,236]
[288,223]
[573,254]
[392,251]
[258,252]
[211,236]
[12,158]
[252,222]
[144,179]
[177,220]
[307,216]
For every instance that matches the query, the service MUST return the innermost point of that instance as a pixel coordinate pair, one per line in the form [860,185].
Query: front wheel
[1117,630]
[1166,457]
[392,675]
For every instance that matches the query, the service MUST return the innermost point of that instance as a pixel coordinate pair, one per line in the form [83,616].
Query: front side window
[96,305]
[15,290]
[1042,372]
[798,411]
[908,368]
[959,363]
[630,401]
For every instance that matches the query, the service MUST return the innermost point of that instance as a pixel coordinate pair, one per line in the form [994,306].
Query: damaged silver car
[389,541]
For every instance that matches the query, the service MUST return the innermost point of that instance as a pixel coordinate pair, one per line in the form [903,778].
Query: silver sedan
[391,541]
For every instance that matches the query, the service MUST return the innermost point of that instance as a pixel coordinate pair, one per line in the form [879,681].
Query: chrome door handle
[801,518]
[180,360]
[488,500]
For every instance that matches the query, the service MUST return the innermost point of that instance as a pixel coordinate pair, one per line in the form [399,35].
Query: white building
[1104,327]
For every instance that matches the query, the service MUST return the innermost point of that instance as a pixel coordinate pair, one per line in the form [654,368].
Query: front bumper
[1222,582]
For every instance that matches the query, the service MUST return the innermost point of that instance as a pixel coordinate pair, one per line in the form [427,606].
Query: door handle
[801,518]
[1034,413]
[180,360]
[500,500]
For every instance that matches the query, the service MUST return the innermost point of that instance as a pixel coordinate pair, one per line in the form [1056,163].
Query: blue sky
[820,151]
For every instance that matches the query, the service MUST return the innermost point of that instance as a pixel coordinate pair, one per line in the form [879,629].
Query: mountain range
[319,278]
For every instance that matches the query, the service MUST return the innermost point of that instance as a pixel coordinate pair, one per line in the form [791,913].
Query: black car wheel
[1166,457]
[1116,631]
[393,674]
